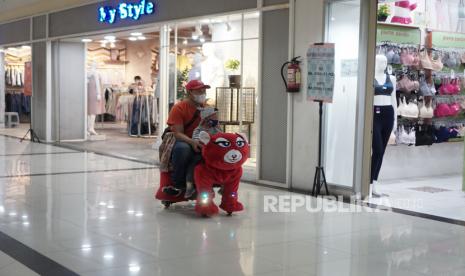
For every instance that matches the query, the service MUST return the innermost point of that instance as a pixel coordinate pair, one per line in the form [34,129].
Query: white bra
[407,110]
[426,112]
[406,137]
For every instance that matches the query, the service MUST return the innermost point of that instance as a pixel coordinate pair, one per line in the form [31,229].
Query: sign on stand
[321,66]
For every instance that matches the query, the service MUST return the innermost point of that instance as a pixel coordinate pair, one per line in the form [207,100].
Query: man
[138,85]
[184,117]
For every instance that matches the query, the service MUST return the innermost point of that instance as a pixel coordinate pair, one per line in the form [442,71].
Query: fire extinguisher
[293,79]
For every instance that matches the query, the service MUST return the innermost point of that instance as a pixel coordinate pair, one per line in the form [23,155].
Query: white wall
[309,29]
[139,55]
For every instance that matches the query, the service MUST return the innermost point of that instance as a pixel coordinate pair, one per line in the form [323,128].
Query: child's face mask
[212,123]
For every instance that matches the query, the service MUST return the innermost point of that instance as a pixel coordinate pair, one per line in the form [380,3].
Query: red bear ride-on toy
[223,157]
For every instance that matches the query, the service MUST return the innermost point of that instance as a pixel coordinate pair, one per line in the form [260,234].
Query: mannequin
[212,68]
[196,70]
[385,118]
[95,100]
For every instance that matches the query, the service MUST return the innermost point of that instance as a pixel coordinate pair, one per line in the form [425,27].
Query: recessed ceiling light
[133,38]
[195,37]
[184,42]
[205,21]
[141,37]
[136,34]
[110,38]
[85,40]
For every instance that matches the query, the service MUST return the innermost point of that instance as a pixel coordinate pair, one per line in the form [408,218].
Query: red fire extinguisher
[293,79]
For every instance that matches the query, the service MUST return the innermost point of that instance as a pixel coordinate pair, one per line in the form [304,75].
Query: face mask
[213,123]
[200,99]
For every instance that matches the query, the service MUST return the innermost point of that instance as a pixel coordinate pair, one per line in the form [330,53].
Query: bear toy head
[225,151]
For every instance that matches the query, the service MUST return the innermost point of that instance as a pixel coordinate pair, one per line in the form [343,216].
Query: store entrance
[15,91]
[133,79]
[115,107]
[421,46]
[417,142]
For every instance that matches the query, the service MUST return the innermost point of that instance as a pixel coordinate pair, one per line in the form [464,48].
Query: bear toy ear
[243,137]
[204,137]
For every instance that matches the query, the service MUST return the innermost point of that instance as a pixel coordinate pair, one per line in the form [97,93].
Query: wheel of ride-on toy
[229,214]
[167,204]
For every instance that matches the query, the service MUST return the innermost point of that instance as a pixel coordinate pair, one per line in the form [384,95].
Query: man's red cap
[196,85]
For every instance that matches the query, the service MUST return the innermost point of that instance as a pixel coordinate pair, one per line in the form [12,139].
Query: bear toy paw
[206,210]
[205,205]
[233,206]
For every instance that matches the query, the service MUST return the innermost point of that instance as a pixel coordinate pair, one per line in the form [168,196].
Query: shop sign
[320,62]
[123,11]
[448,40]
[398,34]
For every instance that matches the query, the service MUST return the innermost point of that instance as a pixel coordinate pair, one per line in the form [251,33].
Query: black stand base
[319,181]
[34,137]
[320,177]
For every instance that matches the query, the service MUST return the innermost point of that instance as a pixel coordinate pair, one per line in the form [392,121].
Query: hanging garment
[95,101]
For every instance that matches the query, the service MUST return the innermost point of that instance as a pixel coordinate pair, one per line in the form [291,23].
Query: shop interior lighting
[206,21]
[136,34]
[185,41]
[202,39]
[85,40]
[112,45]
[2,50]
[141,37]
[132,38]
[110,38]
[197,33]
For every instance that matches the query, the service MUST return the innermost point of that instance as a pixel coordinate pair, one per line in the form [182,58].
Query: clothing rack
[141,122]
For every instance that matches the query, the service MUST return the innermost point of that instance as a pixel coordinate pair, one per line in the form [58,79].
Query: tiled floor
[439,196]
[96,215]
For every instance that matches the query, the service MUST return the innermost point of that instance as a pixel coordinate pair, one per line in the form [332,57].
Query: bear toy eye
[240,142]
[223,143]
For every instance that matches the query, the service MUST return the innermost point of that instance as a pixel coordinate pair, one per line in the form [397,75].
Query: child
[209,123]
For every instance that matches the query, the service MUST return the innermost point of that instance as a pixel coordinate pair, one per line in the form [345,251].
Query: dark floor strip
[77,148]
[35,261]
[417,214]
[77,172]
[40,153]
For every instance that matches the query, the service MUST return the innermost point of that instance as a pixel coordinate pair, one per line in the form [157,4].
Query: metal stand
[34,137]
[320,178]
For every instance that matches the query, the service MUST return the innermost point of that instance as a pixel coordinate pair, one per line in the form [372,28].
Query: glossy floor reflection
[96,215]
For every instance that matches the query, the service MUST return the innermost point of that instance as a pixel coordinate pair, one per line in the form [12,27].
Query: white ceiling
[9,5]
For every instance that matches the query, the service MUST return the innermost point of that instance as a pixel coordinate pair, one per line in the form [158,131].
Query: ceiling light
[206,21]
[141,37]
[257,14]
[136,34]
[133,38]
[202,39]
[110,38]
[195,37]
[86,40]
[26,223]
[185,42]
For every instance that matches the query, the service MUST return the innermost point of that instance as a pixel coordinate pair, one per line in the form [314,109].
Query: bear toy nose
[234,156]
